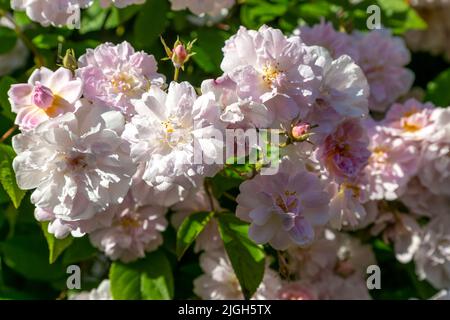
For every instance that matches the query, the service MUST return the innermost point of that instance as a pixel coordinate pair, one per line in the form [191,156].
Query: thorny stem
[8,133]
[39,59]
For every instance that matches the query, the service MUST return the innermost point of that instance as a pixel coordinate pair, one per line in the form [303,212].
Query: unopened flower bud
[300,131]
[69,61]
[179,56]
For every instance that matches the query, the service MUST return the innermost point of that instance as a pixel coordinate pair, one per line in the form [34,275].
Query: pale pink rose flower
[309,261]
[334,267]
[201,7]
[401,230]
[219,282]
[344,153]
[432,259]
[435,160]
[392,163]
[323,34]
[51,12]
[134,230]
[411,120]
[117,74]
[77,163]
[347,210]
[421,201]
[383,58]
[284,208]
[172,142]
[61,228]
[47,95]
[234,111]
[270,68]
[343,254]
[343,85]
[102,292]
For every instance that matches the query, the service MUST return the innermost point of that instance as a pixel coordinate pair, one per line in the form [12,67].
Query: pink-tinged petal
[281,240]
[30,117]
[315,199]
[20,95]
[302,233]
[59,79]
[261,234]
[260,215]
[42,75]
[71,91]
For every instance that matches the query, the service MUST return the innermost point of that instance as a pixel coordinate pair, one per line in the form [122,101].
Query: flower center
[122,82]
[168,126]
[129,222]
[410,112]
[287,202]
[379,154]
[174,133]
[356,191]
[77,162]
[410,127]
[270,73]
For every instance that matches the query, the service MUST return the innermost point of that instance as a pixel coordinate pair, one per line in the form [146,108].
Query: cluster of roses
[62,12]
[109,148]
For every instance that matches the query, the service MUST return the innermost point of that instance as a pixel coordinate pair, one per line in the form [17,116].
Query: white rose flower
[165,134]
[77,163]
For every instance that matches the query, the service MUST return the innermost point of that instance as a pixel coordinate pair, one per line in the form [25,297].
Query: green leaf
[47,41]
[208,49]
[247,258]
[55,246]
[93,18]
[4,198]
[149,278]
[5,84]
[5,4]
[120,16]
[438,89]
[189,230]
[256,13]
[21,18]
[80,250]
[7,176]
[400,17]
[9,39]
[313,12]
[150,22]
[157,279]
[125,281]
[229,178]
[27,255]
